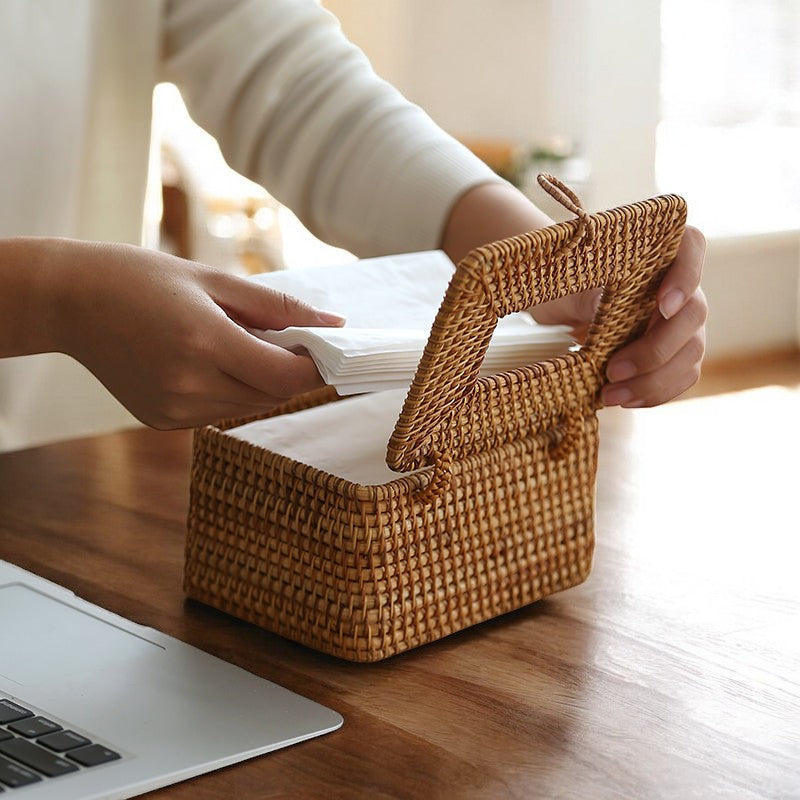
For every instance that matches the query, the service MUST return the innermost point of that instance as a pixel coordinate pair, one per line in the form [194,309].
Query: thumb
[258,306]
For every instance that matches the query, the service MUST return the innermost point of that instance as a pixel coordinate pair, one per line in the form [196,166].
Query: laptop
[95,706]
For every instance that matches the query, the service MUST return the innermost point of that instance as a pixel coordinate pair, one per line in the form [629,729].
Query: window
[729,136]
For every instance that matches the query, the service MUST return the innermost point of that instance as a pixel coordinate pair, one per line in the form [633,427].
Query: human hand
[167,336]
[665,361]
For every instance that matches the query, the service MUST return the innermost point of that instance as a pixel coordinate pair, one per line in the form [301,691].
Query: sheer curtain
[729,135]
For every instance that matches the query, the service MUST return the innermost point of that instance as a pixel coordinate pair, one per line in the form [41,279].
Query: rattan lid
[450,412]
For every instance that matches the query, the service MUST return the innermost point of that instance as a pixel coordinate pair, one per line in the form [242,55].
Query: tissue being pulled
[390,304]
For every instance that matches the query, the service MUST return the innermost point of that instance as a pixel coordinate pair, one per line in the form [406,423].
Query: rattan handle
[561,193]
[451,412]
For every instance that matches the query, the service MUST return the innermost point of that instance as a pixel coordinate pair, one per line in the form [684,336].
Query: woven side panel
[364,579]
[269,545]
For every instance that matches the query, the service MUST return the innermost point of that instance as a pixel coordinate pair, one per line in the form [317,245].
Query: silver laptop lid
[149,709]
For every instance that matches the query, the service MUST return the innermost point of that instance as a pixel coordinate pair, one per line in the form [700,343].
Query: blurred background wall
[529,71]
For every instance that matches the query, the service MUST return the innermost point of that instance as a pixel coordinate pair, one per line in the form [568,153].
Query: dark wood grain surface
[674,672]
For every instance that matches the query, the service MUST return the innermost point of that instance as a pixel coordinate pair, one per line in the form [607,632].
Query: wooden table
[674,672]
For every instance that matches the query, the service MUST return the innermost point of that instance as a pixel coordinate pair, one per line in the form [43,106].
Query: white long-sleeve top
[293,104]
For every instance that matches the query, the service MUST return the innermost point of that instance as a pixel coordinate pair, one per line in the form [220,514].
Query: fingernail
[330,317]
[620,371]
[671,303]
[616,397]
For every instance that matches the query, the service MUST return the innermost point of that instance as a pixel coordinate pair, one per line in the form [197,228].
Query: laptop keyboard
[34,748]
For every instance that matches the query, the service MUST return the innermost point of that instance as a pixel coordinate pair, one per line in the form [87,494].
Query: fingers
[289,374]
[217,369]
[659,387]
[200,394]
[661,364]
[266,368]
[683,277]
[665,361]
[226,371]
[198,397]
[261,307]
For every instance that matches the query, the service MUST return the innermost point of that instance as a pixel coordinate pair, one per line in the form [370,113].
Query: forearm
[29,300]
[487,213]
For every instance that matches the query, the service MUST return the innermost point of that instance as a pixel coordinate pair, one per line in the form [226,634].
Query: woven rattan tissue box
[496,506]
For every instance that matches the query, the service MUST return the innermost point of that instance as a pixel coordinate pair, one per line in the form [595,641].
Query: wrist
[43,279]
[486,213]
[27,304]
[60,277]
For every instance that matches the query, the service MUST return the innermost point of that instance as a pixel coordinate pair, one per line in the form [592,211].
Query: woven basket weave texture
[500,510]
